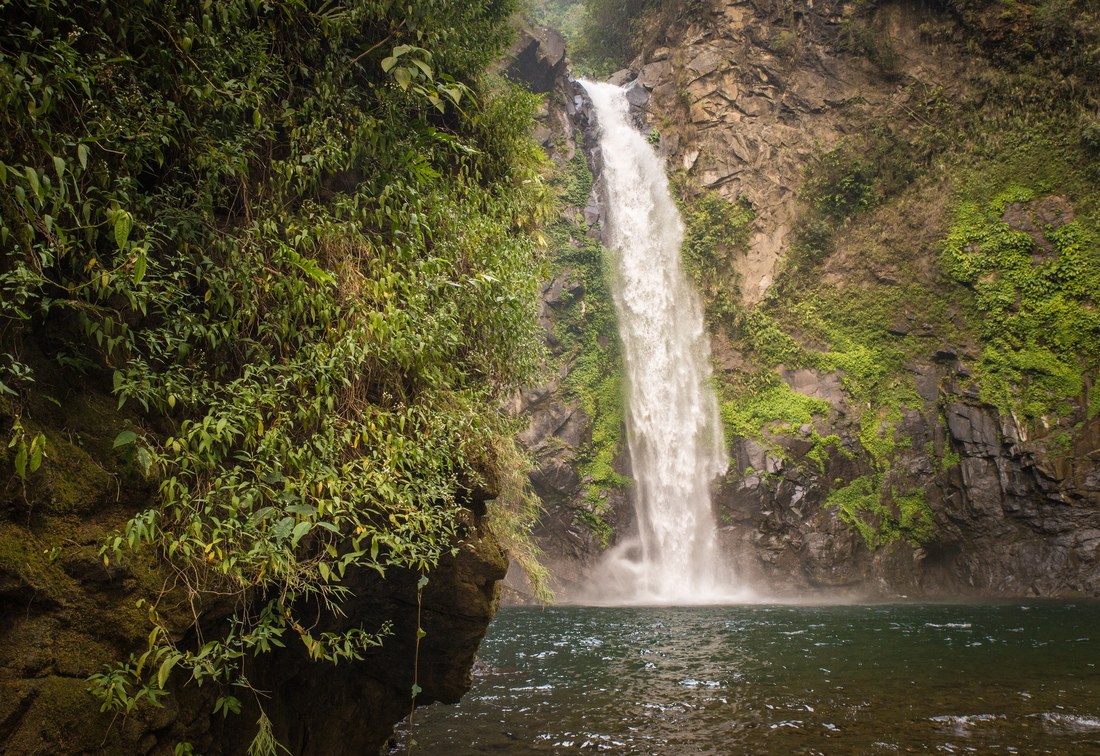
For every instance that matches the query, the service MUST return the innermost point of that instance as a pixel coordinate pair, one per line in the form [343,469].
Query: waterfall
[673,428]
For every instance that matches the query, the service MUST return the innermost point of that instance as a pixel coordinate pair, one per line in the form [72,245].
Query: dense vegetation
[299,237]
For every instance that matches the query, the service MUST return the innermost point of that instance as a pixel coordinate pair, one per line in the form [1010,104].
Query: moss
[882,516]
[765,402]
[859,503]
[32,563]
[878,434]
[596,519]
[714,229]
[1035,310]
[575,183]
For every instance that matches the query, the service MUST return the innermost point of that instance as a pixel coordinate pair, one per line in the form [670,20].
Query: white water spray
[673,428]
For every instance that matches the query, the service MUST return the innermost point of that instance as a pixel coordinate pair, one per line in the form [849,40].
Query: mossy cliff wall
[892,215]
[64,615]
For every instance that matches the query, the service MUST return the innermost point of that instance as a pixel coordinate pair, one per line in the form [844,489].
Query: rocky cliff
[891,211]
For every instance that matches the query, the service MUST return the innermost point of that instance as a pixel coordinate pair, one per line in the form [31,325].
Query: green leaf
[82,155]
[423,581]
[403,77]
[388,63]
[423,67]
[123,224]
[144,459]
[32,179]
[59,166]
[416,690]
[139,267]
[166,668]
[299,531]
[21,461]
[38,451]
[125,438]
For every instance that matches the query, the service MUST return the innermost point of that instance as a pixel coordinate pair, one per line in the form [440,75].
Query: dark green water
[1015,678]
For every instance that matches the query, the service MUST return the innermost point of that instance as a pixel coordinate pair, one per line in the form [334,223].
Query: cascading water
[672,422]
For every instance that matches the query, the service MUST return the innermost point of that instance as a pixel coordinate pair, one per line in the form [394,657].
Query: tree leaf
[423,67]
[299,531]
[403,77]
[38,451]
[32,178]
[166,668]
[123,224]
[139,267]
[82,155]
[124,438]
[21,461]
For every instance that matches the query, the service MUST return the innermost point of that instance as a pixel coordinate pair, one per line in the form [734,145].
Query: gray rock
[705,63]
[974,428]
[654,73]
[537,59]
[620,77]
[637,95]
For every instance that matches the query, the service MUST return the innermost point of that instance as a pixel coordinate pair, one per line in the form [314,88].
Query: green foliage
[608,34]
[1036,311]
[28,451]
[949,460]
[770,344]
[567,16]
[765,402]
[914,517]
[841,184]
[714,229]
[756,405]
[518,510]
[1036,37]
[300,237]
[576,181]
[877,434]
[880,516]
[588,332]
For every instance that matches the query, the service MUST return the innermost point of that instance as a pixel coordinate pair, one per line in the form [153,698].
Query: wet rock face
[559,431]
[323,709]
[1010,519]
